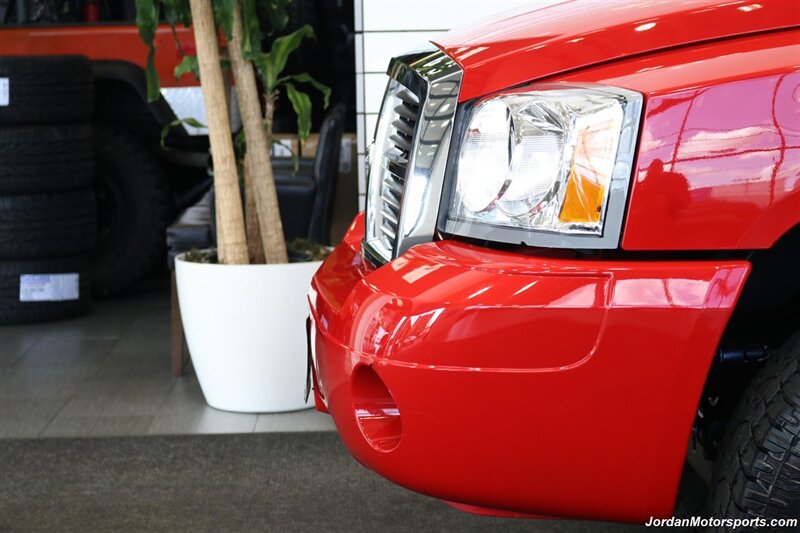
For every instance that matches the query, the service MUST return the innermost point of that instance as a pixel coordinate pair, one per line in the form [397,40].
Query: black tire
[14,311]
[758,473]
[47,89]
[35,159]
[48,225]
[133,204]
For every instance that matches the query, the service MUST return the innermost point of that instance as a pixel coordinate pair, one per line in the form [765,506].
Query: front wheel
[758,473]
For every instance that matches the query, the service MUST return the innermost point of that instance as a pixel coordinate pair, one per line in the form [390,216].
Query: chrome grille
[406,161]
[406,110]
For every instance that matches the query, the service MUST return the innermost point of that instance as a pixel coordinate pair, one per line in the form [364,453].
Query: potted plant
[243,307]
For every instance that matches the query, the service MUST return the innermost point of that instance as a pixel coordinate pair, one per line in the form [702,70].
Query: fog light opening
[376,412]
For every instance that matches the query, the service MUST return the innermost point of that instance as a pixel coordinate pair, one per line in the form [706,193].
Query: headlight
[547,167]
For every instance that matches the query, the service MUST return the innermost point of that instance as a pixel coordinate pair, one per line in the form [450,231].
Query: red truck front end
[556,236]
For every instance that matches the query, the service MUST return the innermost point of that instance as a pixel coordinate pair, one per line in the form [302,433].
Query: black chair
[296,201]
[324,172]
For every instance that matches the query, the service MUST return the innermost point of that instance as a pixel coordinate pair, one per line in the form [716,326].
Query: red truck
[579,261]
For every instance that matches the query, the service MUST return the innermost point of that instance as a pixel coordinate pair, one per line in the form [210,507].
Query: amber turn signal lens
[583,200]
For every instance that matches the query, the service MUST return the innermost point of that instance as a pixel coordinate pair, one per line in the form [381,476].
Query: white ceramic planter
[245,327]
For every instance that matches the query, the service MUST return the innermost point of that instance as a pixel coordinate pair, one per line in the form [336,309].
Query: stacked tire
[48,209]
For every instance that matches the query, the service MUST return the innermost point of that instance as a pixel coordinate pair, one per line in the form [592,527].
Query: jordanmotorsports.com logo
[730,523]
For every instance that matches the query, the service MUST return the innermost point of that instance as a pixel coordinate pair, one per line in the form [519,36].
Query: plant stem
[258,161]
[231,239]
[254,244]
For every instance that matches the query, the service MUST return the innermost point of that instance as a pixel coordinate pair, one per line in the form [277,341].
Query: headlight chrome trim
[617,194]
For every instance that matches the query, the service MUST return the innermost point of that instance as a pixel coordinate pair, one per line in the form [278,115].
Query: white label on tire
[49,287]
[4,98]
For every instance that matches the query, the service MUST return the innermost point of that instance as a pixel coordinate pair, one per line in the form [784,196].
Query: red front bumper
[552,387]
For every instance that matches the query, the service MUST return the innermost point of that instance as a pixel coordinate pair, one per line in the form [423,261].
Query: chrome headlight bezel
[616,196]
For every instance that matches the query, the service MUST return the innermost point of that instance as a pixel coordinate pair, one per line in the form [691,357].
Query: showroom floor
[108,374]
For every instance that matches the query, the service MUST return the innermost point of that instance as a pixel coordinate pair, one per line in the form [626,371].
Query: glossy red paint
[523,383]
[719,154]
[531,43]
[115,42]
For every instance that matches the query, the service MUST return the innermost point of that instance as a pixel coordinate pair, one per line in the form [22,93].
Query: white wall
[386,28]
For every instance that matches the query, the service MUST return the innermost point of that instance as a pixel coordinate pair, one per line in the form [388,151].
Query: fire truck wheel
[45,89]
[44,289]
[46,158]
[758,473]
[133,204]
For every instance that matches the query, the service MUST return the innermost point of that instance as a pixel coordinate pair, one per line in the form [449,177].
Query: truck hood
[534,42]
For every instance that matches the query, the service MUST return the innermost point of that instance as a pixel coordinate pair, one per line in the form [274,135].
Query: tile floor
[108,373]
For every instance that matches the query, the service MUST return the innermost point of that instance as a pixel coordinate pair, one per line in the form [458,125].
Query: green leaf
[240,143]
[177,12]
[177,122]
[295,162]
[306,78]
[292,154]
[301,104]
[193,122]
[282,47]
[223,16]
[269,77]
[272,64]
[147,21]
[278,14]
[153,83]
[251,40]
[187,64]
